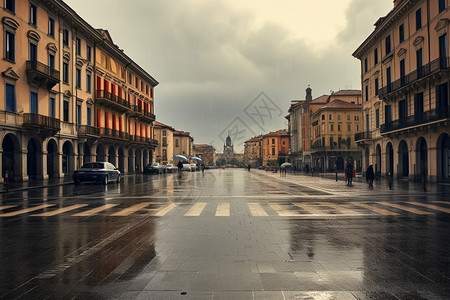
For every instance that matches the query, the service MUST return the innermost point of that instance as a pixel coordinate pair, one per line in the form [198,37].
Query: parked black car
[154,168]
[103,172]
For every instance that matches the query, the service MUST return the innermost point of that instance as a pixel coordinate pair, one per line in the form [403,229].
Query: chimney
[308,93]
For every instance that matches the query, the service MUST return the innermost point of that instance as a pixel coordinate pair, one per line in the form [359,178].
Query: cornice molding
[33,35]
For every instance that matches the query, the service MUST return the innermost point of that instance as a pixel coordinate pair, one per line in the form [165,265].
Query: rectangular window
[401,33]
[51,108]
[273,151]
[88,53]
[78,46]
[377,118]
[349,126]
[331,142]
[388,79]
[78,81]
[441,5]
[376,86]
[89,115]
[365,64]
[348,117]
[10,5]
[375,56]
[339,116]
[323,117]
[66,111]
[331,127]
[88,83]
[418,19]
[51,61]
[66,37]
[330,117]
[273,141]
[136,82]
[443,51]
[176,143]
[33,14]
[51,27]
[10,46]
[367,93]
[33,103]
[79,114]
[33,52]
[387,43]
[339,127]
[65,72]
[10,97]
[130,78]
[419,62]
[387,114]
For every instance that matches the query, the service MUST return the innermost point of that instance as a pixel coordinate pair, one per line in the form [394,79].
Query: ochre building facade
[405,82]
[69,95]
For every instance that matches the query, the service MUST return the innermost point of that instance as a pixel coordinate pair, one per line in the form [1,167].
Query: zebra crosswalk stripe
[60,211]
[406,208]
[26,210]
[376,209]
[95,210]
[430,206]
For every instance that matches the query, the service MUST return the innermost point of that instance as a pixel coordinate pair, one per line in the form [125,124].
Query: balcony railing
[113,134]
[41,74]
[86,130]
[437,65]
[416,120]
[360,136]
[112,101]
[41,122]
[148,117]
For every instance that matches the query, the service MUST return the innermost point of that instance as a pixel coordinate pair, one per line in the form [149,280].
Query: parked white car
[187,167]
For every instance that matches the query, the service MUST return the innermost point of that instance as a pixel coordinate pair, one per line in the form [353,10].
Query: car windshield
[92,166]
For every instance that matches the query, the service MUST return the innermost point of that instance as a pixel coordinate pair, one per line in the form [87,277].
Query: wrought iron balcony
[88,131]
[414,121]
[112,101]
[41,74]
[434,67]
[147,117]
[135,111]
[42,123]
[113,134]
[362,136]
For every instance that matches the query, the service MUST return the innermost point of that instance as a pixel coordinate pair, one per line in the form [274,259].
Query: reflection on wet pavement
[225,234]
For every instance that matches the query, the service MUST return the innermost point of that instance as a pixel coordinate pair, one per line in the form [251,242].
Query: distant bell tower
[308,93]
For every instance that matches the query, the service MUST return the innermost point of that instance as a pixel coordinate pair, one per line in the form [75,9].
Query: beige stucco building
[164,135]
[253,152]
[183,143]
[70,95]
[405,83]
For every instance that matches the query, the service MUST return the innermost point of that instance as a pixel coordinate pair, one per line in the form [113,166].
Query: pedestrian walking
[249,167]
[389,176]
[202,167]
[307,169]
[424,179]
[349,172]
[180,166]
[370,176]
[335,167]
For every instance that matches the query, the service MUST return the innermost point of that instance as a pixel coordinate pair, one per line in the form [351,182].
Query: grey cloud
[211,63]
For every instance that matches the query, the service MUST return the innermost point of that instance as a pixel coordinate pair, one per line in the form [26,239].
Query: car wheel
[105,180]
[118,179]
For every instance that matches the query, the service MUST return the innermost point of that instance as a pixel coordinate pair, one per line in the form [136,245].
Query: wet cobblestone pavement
[225,234]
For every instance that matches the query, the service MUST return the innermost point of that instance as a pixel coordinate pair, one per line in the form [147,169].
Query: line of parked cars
[105,172]
[157,168]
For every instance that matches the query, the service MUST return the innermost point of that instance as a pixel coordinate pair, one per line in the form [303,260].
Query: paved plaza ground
[225,234]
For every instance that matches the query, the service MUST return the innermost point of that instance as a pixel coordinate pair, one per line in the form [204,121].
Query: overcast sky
[232,67]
